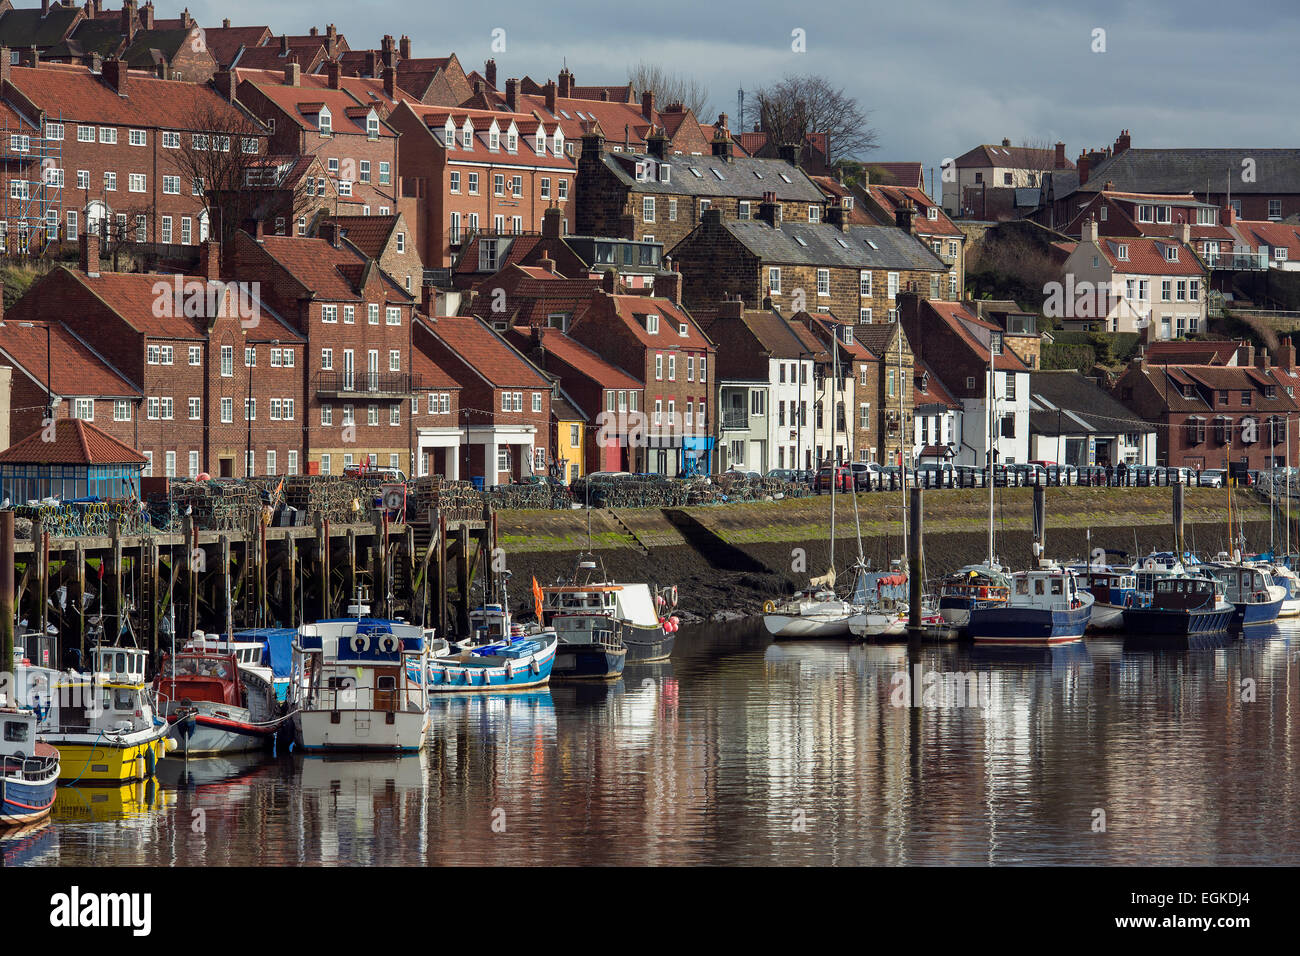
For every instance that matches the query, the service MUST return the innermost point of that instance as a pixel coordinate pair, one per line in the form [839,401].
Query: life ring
[672,596]
[768,607]
[1128,599]
[360,643]
[388,644]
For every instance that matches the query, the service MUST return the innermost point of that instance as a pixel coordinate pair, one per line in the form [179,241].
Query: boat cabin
[120,665]
[360,664]
[1184,594]
[195,675]
[1046,588]
[1110,586]
[1244,585]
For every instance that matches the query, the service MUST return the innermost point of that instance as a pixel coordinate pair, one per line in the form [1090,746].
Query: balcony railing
[735,421]
[380,385]
[1237,261]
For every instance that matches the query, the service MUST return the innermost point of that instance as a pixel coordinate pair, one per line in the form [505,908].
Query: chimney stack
[731,308]
[553,223]
[331,40]
[837,216]
[390,82]
[89,260]
[1185,233]
[1122,143]
[546,263]
[550,97]
[1090,230]
[146,15]
[609,282]
[903,213]
[372,64]
[648,106]
[128,20]
[292,74]
[769,210]
[115,75]
[1058,161]
[1227,217]
[404,47]
[225,24]
[512,95]
[224,81]
[1005,142]
[284,45]
[329,231]
[333,74]
[1286,355]
[722,144]
[789,152]
[566,83]
[656,143]
[669,285]
[1083,164]
[212,260]
[1245,354]
[490,73]
[1261,360]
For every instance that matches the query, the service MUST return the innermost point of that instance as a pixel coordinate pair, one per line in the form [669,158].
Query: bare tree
[806,103]
[1039,156]
[223,156]
[670,87]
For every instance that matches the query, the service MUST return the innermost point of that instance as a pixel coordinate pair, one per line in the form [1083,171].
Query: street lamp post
[49,384]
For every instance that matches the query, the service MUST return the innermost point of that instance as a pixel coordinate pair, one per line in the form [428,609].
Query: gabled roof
[304,103]
[1275,235]
[769,330]
[936,393]
[224,42]
[370,234]
[1147,257]
[1011,157]
[1068,401]
[332,273]
[822,244]
[76,442]
[24,29]
[75,369]
[1193,170]
[483,350]
[974,333]
[829,325]
[574,354]
[904,174]
[632,310]
[890,198]
[1204,352]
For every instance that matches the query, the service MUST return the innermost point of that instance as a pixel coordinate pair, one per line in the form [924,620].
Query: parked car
[934,474]
[843,477]
[1178,476]
[1027,473]
[783,474]
[891,473]
[1062,474]
[1213,478]
[970,476]
[865,474]
[1142,475]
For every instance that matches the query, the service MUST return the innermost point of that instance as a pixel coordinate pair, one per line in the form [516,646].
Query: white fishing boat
[364,684]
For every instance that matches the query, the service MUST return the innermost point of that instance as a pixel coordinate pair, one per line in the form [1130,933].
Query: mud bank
[727,560]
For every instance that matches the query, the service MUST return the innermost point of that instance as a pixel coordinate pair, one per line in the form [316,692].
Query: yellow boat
[102,723]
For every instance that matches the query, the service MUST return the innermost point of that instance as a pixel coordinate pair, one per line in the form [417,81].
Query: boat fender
[768,607]
[1128,599]
[487,676]
[360,643]
[677,621]
[672,596]
[510,670]
[534,667]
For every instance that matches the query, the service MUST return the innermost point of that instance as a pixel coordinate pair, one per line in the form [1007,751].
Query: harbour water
[740,751]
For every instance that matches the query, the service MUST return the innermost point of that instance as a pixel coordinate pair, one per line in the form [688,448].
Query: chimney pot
[404,48]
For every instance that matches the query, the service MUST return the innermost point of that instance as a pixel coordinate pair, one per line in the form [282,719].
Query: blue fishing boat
[29,772]
[976,585]
[1046,607]
[1113,590]
[1251,592]
[1180,607]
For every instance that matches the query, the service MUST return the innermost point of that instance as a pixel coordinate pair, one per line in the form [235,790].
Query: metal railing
[366,383]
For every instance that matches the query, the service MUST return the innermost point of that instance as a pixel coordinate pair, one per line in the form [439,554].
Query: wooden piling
[915,572]
[6,590]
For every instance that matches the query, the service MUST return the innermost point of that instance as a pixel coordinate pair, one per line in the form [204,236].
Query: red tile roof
[905,174]
[965,324]
[224,42]
[370,234]
[629,307]
[430,374]
[304,103]
[73,93]
[1207,352]
[575,354]
[937,393]
[332,273]
[891,197]
[134,297]
[1275,235]
[435,119]
[75,443]
[1147,257]
[74,367]
[483,350]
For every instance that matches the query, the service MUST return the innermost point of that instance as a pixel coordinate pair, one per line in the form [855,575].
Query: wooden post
[191,573]
[115,532]
[352,566]
[293,581]
[462,580]
[80,552]
[154,557]
[41,553]
[7,616]
[228,623]
[914,570]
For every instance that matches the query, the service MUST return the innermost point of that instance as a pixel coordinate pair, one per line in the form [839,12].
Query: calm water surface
[742,751]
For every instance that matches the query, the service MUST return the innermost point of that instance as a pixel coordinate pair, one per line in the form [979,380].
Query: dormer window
[512,141]
[372,125]
[1171,253]
[683,330]
[932,213]
[665,173]
[325,121]
[467,135]
[539,144]
[558,140]
[846,334]
[449,134]
[1122,252]
[1189,391]
[494,137]
[652,324]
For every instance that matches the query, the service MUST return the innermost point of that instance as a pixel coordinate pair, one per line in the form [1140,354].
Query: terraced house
[479,173]
[658,196]
[105,153]
[855,272]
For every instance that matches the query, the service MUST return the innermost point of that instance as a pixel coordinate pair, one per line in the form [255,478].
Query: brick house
[505,400]
[953,343]
[986,179]
[656,341]
[345,129]
[912,210]
[603,394]
[885,389]
[657,196]
[180,360]
[478,172]
[936,419]
[435,413]
[387,240]
[114,143]
[530,295]
[84,386]
[1210,415]
[357,377]
[851,271]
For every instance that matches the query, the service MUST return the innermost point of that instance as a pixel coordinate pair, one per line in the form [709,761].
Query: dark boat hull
[1249,614]
[1008,624]
[1176,622]
[647,643]
[588,661]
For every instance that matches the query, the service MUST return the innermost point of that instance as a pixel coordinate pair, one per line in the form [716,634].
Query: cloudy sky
[938,76]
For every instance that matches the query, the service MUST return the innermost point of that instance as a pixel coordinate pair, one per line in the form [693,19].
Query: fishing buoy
[139,767]
[768,607]
[510,671]
[677,621]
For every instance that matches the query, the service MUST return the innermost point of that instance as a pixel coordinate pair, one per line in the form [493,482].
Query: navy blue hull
[23,803]
[588,661]
[1176,623]
[1027,625]
[1248,615]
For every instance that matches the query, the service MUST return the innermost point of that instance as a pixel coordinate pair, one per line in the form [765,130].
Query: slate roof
[1011,157]
[23,29]
[825,245]
[75,443]
[743,177]
[1072,403]
[1191,170]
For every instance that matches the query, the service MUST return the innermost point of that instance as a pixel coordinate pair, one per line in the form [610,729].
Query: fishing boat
[1113,590]
[211,706]
[364,684]
[883,598]
[1046,606]
[586,617]
[265,655]
[975,585]
[1180,607]
[102,723]
[29,769]
[1251,591]
[642,616]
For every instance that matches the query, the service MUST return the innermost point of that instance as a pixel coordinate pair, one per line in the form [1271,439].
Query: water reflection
[741,751]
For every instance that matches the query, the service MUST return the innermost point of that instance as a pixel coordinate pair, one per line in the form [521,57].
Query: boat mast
[835,465]
[995,346]
[902,469]
[1287,536]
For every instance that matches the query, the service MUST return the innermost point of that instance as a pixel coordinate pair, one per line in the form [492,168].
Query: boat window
[123,699]
[1056,586]
[1022,586]
[120,663]
[16,732]
[1038,586]
[387,683]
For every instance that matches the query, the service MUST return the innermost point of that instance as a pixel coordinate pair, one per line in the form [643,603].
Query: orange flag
[537,599]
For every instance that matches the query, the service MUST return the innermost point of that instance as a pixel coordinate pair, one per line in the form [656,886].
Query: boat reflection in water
[35,845]
[138,804]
